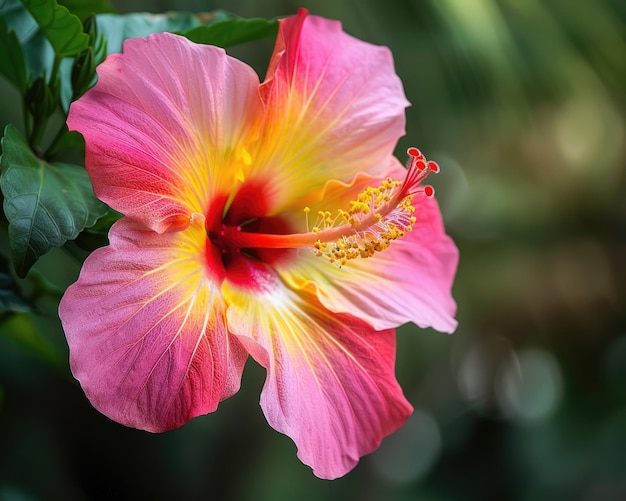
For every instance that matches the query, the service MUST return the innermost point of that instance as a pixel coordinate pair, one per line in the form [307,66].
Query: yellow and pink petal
[330,382]
[146,331]
[166,127]
[334,107]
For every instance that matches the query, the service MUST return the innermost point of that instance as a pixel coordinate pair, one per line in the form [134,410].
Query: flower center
[373,220]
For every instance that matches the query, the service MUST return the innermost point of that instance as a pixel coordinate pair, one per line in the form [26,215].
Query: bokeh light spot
[411,452]
[530,389]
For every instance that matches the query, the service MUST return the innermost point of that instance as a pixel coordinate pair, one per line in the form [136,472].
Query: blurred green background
[522,103]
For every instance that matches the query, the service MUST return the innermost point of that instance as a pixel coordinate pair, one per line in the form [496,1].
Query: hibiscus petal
[145,326]
[411,281]
[165,126]
[334,107]
[330,377]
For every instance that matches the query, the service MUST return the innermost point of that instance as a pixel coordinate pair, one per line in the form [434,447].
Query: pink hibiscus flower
[269,220]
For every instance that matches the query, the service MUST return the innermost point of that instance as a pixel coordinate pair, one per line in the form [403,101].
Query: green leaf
[233,31]
[37,51]
[46,204]
[63,30]
[12,64]
[113,27]
[117,28]
[84,8]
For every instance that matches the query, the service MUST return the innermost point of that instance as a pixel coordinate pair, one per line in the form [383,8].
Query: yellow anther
[376,217]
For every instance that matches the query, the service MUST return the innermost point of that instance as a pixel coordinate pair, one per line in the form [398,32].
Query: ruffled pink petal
[146,331]
[165,127]
[334,106]
[330,377]
[411,281]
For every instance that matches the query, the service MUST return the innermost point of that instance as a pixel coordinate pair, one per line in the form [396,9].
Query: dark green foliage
[84,8]
[12,64]
[231,32]
[46,204]
[63,30]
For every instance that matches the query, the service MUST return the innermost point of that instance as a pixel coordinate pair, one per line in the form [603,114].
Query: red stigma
[433,166]
[418,169]
[414,152]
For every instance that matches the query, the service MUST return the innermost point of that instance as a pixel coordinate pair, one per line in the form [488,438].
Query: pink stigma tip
[429,191]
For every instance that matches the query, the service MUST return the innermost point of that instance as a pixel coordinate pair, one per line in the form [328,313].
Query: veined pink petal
[330,377]
[334,106]
[165,127]
[146,329]
[410,281]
